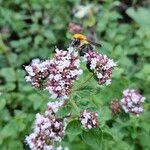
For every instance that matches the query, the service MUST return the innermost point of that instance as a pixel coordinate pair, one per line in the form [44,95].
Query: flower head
[89,119]
[101,65]
[64,70]
[37,72]
[47,129]
[56,75]
[131,102]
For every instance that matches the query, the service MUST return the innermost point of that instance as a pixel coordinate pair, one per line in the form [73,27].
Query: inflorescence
[37,71]
[64,70]
[47,129]
[56,75]
[89,119]
[101,65]
[132,101]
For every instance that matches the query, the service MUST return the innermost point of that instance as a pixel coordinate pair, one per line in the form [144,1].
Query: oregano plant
[68,113]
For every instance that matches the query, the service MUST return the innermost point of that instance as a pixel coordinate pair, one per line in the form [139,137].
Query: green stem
[75,105]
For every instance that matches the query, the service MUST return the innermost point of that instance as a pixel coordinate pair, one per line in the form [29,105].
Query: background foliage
[31,28]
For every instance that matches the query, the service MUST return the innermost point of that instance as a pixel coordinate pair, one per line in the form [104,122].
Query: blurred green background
[32,28]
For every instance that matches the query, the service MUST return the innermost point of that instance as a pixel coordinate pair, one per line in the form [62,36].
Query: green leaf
[117,72]
[9,130]
[144,73]
[12,57]
[50,36]
[15,145]
[10,86]
[104,115]
[20,119]
[9,74]
[63,111]
[140,15]
[2,103]
[93,138]
[5,116]
[144,138]
[107,136]
[74,127]
[86,91]
[38,39]
[90,21]
[3,47]
[37,100]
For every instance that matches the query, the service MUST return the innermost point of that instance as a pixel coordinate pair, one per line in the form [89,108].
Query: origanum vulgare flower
[47,129]
[89,119]
[132,102]
[37,72]
[64,70]
[56,75]
[101,65]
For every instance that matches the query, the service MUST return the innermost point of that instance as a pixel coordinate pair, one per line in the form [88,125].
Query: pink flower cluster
[64,70]
[89,119]
[101,65]
[37,72]
[47,129]
[132,101]
[56,75]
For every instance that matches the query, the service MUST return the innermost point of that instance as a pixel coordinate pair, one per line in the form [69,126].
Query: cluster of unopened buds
[115,106]
[75,28]
[89,119]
